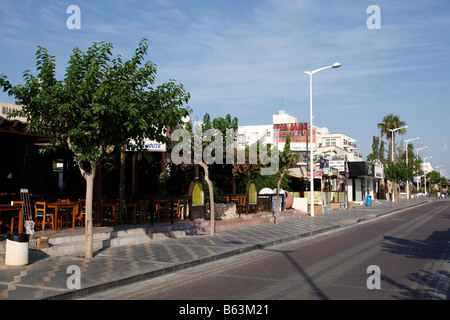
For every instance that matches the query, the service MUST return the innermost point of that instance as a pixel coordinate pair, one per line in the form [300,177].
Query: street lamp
[425,175]
[311,177]
[406,148]
[417,158]
[392,155]
[436,168]
[392,140]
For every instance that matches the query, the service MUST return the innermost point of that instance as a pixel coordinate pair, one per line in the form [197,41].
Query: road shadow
[426,286]
[426,282]
[431,248]
[315,289]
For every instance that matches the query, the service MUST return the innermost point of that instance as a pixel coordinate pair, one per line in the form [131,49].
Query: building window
[333,142]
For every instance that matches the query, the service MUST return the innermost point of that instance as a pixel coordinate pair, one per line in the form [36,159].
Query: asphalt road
[399,257]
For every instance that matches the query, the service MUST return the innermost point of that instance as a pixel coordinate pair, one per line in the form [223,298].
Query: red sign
[299,133]
[316,174]
[292,129]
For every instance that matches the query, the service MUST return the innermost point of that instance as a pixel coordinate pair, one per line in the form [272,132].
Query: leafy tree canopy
[103,101]
[398,172]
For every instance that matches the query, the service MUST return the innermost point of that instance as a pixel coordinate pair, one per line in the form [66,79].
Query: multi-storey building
[334,145]
[7,108]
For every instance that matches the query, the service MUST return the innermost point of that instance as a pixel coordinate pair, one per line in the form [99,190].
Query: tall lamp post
[311,161]
[392,155]
[417,159]
[425,175]
[436,169]
[392,140]
[406,148]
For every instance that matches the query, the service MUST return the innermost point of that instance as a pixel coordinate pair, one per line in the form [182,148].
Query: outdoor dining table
[184,199]
[14,208]
[238,199]
[63,205]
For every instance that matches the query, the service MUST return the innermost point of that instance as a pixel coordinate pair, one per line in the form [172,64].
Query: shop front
[364,178]
[329,189]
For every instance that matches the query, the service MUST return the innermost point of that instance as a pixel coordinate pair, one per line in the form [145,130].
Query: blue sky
[247,57]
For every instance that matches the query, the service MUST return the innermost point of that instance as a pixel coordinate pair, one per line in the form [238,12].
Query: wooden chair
[63,214]
[15,217]
[265,203]
[11,219]
[40,212]
[110,211]
[240,203]
[81,214]
[163,211]
[177,208]
[142,212]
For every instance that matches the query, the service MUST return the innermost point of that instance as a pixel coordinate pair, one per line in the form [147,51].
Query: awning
[303,173]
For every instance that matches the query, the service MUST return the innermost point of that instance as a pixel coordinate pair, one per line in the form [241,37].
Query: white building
[426,167]
[339,145]
[333,144]
[7,108]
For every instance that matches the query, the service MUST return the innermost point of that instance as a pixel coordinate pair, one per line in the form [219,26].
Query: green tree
[287,160]
[391,122]
[434,176]
[382,152]
[102,102]
[411,156]
[398,172]
[210,143]
[375,149]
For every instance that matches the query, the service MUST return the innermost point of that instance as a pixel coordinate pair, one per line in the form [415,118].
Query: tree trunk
[278,196]
[88,225]
[278,202]
[211,198]
[89,242]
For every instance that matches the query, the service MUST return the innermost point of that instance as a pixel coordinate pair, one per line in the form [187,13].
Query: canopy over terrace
[329,188]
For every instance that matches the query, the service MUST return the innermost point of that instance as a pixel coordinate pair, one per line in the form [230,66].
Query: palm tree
[389,123]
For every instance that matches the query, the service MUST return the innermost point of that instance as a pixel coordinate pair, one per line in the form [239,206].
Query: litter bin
[16,249]
[369,201]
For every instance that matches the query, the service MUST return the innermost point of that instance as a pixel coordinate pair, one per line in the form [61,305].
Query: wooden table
[63,205]
[239,200]
[15,208]
[170,199]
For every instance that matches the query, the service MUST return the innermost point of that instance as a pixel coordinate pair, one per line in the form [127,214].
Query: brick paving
[112,267]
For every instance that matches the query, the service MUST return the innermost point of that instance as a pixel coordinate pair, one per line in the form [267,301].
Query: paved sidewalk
[117,266]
